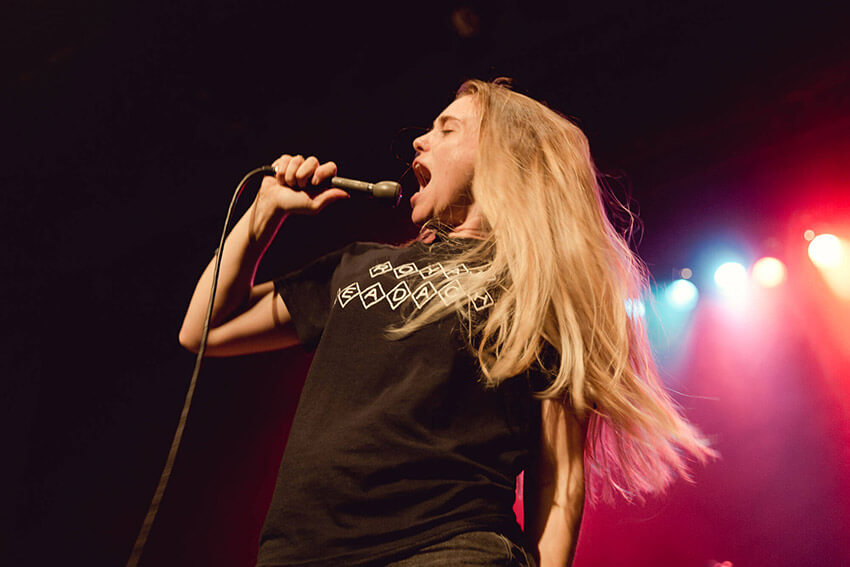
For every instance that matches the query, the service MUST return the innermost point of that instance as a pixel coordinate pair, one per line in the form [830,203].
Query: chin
[418,217]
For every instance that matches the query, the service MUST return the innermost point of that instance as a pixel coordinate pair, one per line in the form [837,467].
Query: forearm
[240,255]
[556,498]
[265,321]
[557,543]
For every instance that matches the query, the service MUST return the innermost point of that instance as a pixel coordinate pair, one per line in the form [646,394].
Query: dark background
[126,126]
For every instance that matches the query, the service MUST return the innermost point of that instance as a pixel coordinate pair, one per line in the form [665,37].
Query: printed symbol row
[406,270]
[374,294]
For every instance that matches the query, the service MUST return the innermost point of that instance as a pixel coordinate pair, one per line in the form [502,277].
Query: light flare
[731,278]
[826,251]
[769,272]
[682,295]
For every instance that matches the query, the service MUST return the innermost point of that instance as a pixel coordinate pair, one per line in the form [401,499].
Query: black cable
[142,538]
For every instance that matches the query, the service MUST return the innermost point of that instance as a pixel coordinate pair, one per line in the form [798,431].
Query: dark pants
[471,549]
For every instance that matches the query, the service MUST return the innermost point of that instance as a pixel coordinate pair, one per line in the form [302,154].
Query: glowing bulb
[731,277]
[809,235]
[682,295]
[825,250]
[769,272]
[686,273]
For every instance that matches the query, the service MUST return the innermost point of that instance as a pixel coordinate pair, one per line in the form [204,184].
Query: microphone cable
[153,508]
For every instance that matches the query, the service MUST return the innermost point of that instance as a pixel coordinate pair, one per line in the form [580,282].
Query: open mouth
[423,176]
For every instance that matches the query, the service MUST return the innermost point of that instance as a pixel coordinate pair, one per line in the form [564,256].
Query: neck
[471,227]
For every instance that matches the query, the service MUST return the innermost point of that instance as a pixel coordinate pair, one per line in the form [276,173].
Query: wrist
[262,233]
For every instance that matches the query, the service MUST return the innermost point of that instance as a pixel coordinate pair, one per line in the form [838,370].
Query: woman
[498,342]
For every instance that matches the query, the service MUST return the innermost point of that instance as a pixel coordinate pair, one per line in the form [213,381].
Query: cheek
[464,173]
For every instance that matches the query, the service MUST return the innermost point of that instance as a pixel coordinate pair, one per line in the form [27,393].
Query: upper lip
[422,173]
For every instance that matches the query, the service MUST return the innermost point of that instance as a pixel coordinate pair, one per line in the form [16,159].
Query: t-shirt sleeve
[307,294]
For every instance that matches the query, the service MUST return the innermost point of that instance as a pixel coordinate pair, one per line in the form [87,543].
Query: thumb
[327,197]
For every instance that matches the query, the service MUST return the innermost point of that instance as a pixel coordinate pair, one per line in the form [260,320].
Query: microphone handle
[380,190]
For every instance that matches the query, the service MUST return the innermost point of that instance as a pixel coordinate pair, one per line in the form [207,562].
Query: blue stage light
[682,295]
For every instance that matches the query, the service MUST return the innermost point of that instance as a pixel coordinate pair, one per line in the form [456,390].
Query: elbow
[189,340]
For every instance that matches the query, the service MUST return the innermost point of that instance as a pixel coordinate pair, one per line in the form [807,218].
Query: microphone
[380,190]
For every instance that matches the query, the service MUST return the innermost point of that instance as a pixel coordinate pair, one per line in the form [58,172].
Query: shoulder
[368,251]
[360,248]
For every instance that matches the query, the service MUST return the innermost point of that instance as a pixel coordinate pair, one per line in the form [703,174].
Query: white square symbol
[450,291]
[379,269]
[431,269]
[398,294]
[460,269]
[481,300]
[372,295]
[423,294]
[348,293]
[405,270]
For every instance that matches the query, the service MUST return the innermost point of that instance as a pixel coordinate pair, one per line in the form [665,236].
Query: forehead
[464,109]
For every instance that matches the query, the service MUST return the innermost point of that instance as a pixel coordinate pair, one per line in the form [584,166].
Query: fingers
[324,171]
[280,165]
[289,178]
[293,175]
[286,169]
[305,171]
[297,172]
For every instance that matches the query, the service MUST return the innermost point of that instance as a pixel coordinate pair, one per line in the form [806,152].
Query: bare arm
[554,497]
[246,317]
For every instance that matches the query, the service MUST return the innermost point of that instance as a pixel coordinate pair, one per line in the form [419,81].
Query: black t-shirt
[395,444]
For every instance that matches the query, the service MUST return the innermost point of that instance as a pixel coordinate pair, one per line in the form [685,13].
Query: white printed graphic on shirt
[431,269]
[398,294]
[481,300]
[423,294]
[405,270]
[460,269]
[349,292]
[373,294]
[379,269]
[450,291]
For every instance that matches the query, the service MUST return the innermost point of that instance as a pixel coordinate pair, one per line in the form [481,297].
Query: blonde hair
[560,277]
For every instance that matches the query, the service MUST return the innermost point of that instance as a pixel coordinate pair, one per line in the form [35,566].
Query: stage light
[831,255]
[682,295]
[769,272]
[635,308]
[825,251]
[731,277]
[809,235]
[686,273]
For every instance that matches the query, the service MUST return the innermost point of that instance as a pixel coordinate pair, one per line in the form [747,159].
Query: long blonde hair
[560,277]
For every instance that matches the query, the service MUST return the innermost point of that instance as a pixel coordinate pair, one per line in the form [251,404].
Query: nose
[420,144]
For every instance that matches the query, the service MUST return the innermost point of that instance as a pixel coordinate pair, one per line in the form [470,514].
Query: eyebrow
[442,119]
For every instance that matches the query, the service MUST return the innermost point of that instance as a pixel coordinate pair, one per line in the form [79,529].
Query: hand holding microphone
[295,172]
[296,185]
